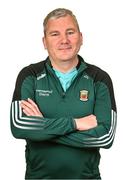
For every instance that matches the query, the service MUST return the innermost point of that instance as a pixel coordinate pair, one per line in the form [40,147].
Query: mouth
[65,48]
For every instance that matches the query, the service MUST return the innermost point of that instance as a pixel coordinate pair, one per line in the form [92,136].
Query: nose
[64,38]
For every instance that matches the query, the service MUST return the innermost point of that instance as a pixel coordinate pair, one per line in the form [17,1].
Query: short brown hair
[57,13]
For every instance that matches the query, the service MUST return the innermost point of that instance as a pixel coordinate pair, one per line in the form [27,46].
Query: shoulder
[98,74]
[32,70]
[95,72]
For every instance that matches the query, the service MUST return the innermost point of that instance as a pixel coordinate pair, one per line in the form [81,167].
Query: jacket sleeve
[34,128]
[105,111]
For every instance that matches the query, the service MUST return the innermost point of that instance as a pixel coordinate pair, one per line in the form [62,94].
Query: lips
[65,48]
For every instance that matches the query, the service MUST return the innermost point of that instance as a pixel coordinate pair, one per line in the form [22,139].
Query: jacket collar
[81,66]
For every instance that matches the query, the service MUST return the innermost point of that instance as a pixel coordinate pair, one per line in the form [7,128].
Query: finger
[26,103]
[30,109]
[27,106]
[34,105]
[27,113]
[27,110]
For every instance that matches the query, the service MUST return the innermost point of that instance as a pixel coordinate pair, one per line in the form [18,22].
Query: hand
[30,108]
[86,123]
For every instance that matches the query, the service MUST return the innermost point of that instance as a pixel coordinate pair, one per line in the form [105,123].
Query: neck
[64,65]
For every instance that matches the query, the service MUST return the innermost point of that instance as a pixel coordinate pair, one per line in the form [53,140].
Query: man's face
[62,39]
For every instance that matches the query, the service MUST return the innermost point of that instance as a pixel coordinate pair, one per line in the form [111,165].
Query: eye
[54,34]
[70,32]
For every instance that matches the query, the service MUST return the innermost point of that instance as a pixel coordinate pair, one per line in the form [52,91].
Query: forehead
[60,23]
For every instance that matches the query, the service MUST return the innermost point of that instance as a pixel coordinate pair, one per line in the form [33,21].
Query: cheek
[51,44]
[77,40]
[77,43]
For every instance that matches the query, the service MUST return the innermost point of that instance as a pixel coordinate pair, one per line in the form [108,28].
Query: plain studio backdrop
[21,44]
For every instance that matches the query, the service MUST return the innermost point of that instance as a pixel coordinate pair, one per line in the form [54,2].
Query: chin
[66,57]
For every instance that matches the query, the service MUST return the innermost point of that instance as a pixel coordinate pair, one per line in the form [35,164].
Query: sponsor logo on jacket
[44,92]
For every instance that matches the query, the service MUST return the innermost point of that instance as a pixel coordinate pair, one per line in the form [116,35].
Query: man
[63,107]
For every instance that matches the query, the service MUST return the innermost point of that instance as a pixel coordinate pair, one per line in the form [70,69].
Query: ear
[44,42]
[81,39]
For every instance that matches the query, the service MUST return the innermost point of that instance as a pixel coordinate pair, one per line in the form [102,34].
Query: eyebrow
[56,31]
[51,32]
[71,29]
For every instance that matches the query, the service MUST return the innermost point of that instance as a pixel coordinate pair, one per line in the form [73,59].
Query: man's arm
[101,136]
[88,134]
[32,126]
[30,108]
[36,127]
[106,115]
